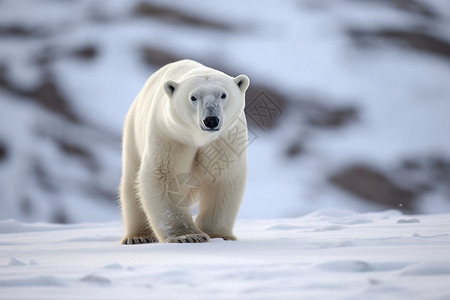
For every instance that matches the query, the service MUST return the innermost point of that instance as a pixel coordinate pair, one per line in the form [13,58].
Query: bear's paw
[127,240]
[189,238]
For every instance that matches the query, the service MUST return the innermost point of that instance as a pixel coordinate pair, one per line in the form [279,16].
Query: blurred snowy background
[349,105]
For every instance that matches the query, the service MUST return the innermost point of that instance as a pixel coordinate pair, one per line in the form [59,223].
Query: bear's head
[208,103]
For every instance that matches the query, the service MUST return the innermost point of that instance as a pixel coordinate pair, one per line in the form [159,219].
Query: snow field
[330,253]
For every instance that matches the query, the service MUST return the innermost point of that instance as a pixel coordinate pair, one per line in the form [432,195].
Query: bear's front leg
[170,222]
[185,231]
[220,202]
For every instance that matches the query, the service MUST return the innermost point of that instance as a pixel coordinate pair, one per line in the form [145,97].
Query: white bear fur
[162,138]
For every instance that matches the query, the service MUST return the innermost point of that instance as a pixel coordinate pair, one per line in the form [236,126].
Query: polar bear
[187,122]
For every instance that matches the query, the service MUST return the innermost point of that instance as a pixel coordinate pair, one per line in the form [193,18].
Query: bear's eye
[223,96]
[193,98]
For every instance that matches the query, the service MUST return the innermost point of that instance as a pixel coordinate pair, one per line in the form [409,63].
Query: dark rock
[3,151]
[47,55]
[295,150]
[87,52]
[47,94]
[409,164]
[372,185]
[440,165]
[317,112]
[157,58]
[416,40]
[329,117]
[80,152]
[60,217]
[42,177]
[263,106]
[170,15]
[73,149]
[425,173]
[410,6]
[22,31]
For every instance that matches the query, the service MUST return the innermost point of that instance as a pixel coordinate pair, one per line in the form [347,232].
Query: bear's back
[185,68]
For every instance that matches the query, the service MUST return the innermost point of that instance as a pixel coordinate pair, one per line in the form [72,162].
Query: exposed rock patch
[167,14]
[46,94]
[409,6]
[374,186]
[420,41]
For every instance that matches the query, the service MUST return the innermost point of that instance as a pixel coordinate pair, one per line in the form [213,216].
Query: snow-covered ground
[329,254]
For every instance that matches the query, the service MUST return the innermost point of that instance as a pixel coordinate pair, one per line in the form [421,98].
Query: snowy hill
[348,110]
[360,91]
[332,254]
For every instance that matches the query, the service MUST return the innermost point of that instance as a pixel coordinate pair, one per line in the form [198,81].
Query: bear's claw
[189,238]
[138,240]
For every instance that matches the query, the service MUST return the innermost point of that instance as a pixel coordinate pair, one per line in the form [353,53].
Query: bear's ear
[242,82]
[169,87]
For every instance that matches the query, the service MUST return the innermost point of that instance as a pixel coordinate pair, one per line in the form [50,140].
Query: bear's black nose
[211,122]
